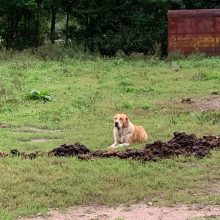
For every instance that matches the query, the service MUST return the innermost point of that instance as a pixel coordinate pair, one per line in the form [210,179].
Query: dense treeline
[103,25]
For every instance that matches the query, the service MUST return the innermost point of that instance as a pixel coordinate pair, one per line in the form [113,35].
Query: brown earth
[211,102]
[36,130]
[69,150]
[39,140]
[180,144]
[4,125]
[208,103]
[133,212]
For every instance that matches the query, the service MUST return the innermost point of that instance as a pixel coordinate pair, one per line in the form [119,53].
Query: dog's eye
[120,119]
[115,118]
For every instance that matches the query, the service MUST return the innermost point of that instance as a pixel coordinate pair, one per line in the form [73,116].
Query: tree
[104,25]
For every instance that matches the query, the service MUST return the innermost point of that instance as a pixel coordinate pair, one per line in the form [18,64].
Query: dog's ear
[125,124]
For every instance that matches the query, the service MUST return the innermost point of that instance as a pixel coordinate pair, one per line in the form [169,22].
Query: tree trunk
[37,25]
[8,40]
[67,27]
[86,35]
[53,23]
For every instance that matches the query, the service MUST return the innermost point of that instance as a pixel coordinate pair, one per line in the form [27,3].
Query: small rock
[39,214]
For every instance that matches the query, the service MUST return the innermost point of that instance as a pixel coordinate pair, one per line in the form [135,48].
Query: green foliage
[175,56]
[190,4]
[209,118]
[123,25]
[35,94]
[5,215]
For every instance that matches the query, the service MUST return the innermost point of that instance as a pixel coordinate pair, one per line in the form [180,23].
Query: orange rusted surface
[194,31]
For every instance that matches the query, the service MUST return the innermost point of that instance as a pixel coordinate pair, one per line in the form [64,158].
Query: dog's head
[121,121]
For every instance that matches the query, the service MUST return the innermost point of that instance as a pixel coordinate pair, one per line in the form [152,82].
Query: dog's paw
[112,147]
[120,145]
[123,145]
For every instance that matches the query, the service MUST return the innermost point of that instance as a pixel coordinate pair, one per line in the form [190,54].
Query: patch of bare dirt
[36,130]
[211,102]
[134,212]
[3,154]
[39,140]
[213,188]
[4,125]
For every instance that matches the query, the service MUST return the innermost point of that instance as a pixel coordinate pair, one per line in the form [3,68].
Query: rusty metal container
[194,31]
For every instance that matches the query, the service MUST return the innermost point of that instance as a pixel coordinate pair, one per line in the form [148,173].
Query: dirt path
[137,212]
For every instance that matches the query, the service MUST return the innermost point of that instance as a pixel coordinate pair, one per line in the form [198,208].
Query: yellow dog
[126,133]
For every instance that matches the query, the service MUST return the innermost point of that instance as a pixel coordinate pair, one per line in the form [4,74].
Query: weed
[202,75]
[5,215]
[125,83]
[215,75]
[145,106]
[127,105]
[175,56]
[209,118]
[196,56]
[207,218]
[35,94]
[118,61]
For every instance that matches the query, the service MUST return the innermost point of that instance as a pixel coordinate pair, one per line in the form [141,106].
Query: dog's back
[139,135]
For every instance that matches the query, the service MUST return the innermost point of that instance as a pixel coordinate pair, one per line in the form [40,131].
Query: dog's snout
[116,124]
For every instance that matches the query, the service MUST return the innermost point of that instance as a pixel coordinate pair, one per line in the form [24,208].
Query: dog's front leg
[116,138]
[126,140]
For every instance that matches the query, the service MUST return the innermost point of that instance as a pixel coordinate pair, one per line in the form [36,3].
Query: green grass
[207,218]
[86,95]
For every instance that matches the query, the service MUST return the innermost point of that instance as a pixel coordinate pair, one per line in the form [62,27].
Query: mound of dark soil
[69,150]
[180,144]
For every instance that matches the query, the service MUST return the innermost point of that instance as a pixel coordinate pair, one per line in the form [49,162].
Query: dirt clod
[3,154]
[215,93]
[3,125]
[17,153]
[69,150]
[187,100]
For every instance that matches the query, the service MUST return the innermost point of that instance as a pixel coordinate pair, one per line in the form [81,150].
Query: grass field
[86,93]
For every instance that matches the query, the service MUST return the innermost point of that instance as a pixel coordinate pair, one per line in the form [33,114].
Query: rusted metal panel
[194,31]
